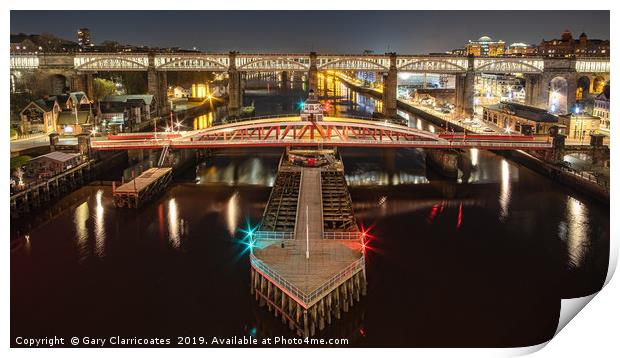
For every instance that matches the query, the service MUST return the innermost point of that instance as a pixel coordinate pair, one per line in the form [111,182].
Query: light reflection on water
[100,234]
[576,234]
[80,218]
[504,196]
[233,213]
[174,224]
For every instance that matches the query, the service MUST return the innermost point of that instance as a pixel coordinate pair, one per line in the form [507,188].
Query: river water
[480,262]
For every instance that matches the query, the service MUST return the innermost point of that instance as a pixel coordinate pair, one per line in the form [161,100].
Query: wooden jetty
[43,192]
[310,275]
[142,188]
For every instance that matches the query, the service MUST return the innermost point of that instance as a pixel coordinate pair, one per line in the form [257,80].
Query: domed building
[485,46]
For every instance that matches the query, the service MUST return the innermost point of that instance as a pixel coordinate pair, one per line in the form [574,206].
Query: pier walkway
[142,188]
[308,276]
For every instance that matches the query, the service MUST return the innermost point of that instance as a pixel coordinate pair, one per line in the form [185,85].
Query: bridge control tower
[312,111]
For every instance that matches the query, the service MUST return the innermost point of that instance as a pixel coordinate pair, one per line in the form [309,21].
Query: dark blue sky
[321,31]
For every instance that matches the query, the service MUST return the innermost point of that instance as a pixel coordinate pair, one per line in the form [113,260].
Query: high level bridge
[541,73]
[331,131]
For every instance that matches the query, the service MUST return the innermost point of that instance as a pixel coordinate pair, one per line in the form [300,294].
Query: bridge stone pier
[235,96]
[464,90]
[313,74]
[390,83]
[157,83]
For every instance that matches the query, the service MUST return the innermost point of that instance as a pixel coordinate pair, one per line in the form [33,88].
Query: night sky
[303,31]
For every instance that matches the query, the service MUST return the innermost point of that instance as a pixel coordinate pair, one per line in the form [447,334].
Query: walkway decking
[143,188]
[143,181]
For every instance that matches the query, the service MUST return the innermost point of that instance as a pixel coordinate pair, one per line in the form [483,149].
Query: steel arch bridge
[332,131]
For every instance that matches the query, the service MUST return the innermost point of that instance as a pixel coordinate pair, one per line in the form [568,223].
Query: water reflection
[504,196]
[248,170]
[232,214]
[174,227]
[577,231]
[100,234]
[80,217]
[373,178]
[474,157]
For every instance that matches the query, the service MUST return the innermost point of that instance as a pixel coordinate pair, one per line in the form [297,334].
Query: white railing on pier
[308,299]
[273,235]
[342,235]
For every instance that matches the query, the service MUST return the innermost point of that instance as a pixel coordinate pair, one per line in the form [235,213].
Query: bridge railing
[274,235]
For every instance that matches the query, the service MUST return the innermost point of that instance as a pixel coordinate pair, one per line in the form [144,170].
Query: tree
[18,102]
[102,88]
[134,82]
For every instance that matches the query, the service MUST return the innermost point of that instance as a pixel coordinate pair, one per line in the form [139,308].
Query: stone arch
[583,88]
[558,95]
[598,84]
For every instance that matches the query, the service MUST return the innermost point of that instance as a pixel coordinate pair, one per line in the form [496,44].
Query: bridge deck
[143,181]
[326,258]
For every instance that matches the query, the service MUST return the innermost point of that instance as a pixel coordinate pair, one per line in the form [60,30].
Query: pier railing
[274,235]
[342,276]
[342,235]
[308,299]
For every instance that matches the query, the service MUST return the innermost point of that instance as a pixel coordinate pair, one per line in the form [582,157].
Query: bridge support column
[532,89]
[89,86]
[162,81]
[235,98]
[77,83]
[313,74]
[459,84]
[390,83]
[464,91]
[157,85]
[468,88]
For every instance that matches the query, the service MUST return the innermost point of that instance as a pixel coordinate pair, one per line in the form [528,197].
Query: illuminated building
[519,118]
[39,116]
[50,164]
[579,126]
[567,46]
[485,46]
[199,90]
[83,36]
[601,109]
[520,49]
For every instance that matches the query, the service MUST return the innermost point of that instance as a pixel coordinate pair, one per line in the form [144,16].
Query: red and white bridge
[332,131]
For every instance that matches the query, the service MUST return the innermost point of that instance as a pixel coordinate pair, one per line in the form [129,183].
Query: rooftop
[58,156]
[68,117]
[147,98]
[528,112]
